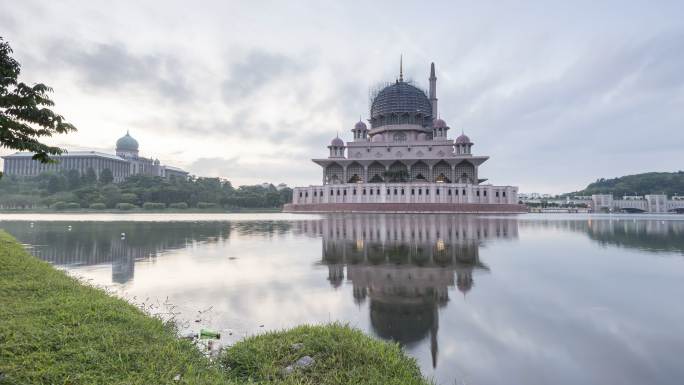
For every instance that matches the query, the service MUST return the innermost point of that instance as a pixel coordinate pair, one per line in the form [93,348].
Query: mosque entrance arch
[398,172]
[375,172]
[355,173]
[334,174]
[442,172]
[419,171]
[465,172]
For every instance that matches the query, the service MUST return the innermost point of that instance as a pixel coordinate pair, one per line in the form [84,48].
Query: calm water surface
[476,300]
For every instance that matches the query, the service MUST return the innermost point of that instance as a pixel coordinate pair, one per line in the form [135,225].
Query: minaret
[433,91]
[401,68]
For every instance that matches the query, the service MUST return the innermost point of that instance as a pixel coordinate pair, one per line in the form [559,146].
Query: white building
[124,163]
[405,161]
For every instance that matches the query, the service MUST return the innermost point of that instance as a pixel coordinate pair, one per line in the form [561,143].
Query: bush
[98,206]
[58,205]
[72,206]
[179,205]
[125,206]
[153,206]
[128,198]
[205,205]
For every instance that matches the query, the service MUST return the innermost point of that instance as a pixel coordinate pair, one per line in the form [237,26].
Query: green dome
[126,143]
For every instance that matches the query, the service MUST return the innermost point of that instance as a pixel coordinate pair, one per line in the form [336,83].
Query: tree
[73,179]
[106,176]
[56,183]
[89,177]
[24,116]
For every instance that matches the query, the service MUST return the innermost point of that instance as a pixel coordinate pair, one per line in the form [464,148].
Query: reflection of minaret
[433,338]
[336,274]
[406,265]
[464,281]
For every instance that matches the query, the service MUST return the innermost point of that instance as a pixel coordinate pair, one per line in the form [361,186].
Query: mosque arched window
[399,137]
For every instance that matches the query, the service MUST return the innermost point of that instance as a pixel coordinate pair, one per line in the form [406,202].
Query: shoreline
[56,329]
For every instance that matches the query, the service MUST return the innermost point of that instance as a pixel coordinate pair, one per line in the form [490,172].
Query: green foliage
[669,183]
[106,176]
[73,178]
[89,177]
[202,193]
[24,113]
[125,206]
[153,206]
[178,205]
[128,198]
[58,205]
[98,206]
[72,206]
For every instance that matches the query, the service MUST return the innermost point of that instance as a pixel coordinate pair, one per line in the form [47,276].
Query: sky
[558,94]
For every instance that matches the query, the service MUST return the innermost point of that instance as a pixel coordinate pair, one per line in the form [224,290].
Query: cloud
[275,169]
[112,67]
[556,95]
[259,69]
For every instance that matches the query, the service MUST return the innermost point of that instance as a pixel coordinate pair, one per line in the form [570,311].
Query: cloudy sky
[557,94]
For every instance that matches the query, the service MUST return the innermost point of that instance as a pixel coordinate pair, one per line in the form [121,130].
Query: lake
[529,299]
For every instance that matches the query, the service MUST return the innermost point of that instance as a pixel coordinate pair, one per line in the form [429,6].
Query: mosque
[403,162]
[124,163]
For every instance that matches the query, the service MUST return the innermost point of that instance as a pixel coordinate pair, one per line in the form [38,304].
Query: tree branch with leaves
[24,113]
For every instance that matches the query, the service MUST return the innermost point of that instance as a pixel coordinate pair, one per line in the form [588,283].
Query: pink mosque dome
[360,125]
[463,139]
[337,142]
[439,123]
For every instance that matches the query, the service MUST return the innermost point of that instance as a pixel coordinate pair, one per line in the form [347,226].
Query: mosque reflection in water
[404,266]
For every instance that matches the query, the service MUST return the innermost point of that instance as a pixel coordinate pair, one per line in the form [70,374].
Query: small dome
[126,143]
[463,139]
[360,126]
[337,142]
[439,123]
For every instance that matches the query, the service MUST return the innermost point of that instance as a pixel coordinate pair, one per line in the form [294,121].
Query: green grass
[342,356]
[55,330]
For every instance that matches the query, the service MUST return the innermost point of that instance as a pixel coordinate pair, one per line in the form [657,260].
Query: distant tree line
[668,183]
[73,190]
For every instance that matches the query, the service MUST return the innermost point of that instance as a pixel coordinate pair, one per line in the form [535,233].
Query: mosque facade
[124,163]
[403,160]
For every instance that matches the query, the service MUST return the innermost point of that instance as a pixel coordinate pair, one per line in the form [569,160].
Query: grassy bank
[54,330]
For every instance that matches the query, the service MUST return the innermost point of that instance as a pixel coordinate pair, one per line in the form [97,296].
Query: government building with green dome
[402,160]
[124,163]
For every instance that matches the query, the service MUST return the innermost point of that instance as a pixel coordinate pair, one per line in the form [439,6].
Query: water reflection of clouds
[551,307]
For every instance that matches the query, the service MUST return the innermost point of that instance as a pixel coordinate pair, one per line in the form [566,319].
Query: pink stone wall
[406,207]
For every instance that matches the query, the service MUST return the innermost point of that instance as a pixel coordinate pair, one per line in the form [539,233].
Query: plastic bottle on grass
[208,333]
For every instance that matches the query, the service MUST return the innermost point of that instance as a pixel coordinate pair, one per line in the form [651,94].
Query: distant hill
[669,183]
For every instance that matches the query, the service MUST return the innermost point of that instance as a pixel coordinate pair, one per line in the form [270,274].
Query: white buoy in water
[123,235]
[31,225]
[69,228]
